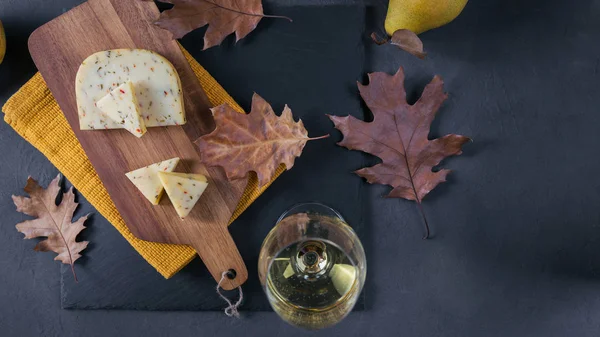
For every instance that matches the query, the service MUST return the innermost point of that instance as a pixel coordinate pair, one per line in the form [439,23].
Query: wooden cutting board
[59,47]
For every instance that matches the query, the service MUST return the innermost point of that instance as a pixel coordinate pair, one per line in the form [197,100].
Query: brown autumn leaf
[259,141]
[408,41]
[404,39]
[52,221]
[398,136]
[223,17]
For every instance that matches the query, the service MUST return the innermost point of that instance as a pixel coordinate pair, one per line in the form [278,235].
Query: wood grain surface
[59,47]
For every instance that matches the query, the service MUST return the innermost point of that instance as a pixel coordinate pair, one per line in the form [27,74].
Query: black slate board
[312,65]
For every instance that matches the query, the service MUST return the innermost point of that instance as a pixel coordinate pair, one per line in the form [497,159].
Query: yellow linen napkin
[34,114]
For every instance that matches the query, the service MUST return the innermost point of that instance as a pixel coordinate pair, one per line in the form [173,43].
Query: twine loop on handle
[232,309]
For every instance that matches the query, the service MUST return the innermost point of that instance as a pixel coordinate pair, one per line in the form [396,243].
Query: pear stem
[379,40]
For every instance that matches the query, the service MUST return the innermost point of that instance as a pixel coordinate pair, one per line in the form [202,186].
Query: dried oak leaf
[52,221]
[259,141]
[398,136]
[223,17]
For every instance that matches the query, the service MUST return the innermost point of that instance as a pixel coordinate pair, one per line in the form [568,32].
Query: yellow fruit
[2,42]
[421,15]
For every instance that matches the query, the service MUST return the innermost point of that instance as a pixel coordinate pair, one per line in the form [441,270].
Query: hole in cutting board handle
[231,274]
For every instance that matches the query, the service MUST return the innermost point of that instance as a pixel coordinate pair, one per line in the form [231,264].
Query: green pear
[2,42]
[419,16]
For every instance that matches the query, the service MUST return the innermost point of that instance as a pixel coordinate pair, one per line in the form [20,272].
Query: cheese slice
[147,181]
[157,87]
[122,107]
[343,277]
[184,190]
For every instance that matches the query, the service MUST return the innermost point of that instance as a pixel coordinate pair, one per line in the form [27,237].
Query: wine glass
[312,266]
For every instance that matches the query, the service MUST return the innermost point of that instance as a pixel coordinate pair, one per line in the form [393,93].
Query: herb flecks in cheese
[104,71]
[184,190]
[147,181]
[121,106]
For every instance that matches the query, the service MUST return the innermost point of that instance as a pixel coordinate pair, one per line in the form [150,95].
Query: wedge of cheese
[147,181]
[184,190]
[122,107]
[343,277]
[157,86]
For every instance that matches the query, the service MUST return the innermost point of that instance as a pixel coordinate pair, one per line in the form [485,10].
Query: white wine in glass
[312,266]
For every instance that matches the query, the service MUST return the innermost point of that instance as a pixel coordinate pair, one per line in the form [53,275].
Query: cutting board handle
[220,254]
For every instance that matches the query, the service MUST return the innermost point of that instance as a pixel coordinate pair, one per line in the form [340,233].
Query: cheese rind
[157,85]
[184,190]
[121,106]
[147,181]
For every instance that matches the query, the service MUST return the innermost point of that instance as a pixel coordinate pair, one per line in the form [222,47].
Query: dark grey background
[517,243]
